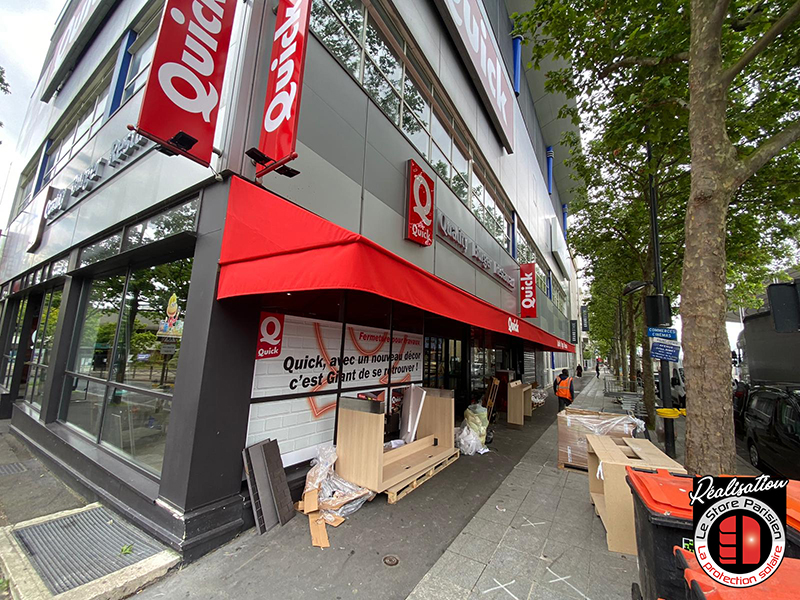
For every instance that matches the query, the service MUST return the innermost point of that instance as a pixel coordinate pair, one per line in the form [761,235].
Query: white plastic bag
[468,441]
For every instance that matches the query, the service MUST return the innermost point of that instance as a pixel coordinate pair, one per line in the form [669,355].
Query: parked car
[772,429]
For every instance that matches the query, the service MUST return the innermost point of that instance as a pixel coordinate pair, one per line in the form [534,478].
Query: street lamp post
[660,305]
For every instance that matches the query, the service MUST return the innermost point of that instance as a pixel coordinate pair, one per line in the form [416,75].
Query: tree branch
[769,149]
[749,18]
[646,61]
[718,15]
[765,40]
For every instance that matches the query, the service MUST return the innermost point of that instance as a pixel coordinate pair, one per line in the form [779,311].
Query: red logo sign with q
[270,336]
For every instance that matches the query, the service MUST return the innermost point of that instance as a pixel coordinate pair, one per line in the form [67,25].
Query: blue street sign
[660,351]
[662,332]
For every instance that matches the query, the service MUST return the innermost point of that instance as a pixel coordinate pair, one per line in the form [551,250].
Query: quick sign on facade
[181,100]
[420,209]
[472,32]
[453,235]
[284,85]
[527,290]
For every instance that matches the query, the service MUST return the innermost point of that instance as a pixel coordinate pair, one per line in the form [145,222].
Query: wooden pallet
[404,488]
[573,468]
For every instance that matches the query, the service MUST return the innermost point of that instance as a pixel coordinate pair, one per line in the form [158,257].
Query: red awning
[271,245]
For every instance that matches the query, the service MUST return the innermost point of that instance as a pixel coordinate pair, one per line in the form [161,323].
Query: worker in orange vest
[564,390]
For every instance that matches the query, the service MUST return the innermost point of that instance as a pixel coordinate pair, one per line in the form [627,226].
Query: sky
[25,30]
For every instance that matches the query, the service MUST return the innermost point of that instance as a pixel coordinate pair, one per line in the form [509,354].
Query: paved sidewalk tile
[546,543]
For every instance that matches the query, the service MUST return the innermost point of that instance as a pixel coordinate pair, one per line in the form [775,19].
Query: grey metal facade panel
[454,268]
[321,188]
[423,18]
[331,137]
[384,226]
[385,181]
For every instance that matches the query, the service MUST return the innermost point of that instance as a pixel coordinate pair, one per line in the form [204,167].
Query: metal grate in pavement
[12,468]
[78,548]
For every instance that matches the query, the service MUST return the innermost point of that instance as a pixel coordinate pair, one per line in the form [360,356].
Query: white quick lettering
[280,108]
[274,337]
[478,35]
[121,151]
[526,284]
[513,325]
[453,234]
[197,59]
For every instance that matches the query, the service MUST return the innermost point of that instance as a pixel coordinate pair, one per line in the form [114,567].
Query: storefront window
[124,368]
[43,346]
[100,250]
[161,226]
[11,351]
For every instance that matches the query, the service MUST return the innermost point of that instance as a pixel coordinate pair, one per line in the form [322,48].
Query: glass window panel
[100,250]
[98,326]
[416,102]
[84,404]
[82,130]
[150,333]
[461,188]
[351,12]
[460,163]
[135,423]
[380,90]
[414,130]
[36,380]
[176,220]
[440,163]
[440,135]
[140,61]
[335,37]
[48,332]
[380,50]
[59,267]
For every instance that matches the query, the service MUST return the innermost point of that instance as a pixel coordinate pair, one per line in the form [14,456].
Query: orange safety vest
[563,388]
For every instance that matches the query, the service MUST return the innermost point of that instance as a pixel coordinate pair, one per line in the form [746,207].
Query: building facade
[158,316]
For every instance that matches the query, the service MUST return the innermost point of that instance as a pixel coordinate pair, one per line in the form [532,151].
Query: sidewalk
[537,537]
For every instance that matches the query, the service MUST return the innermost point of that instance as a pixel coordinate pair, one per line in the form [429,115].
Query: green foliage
[628,71]
[4,87]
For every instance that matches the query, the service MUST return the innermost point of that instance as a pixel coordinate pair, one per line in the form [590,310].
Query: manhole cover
[390,561]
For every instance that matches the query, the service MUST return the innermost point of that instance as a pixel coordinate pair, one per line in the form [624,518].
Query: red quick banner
[181,100]
[471,30]
[419,214]
[282,107]
[527,290]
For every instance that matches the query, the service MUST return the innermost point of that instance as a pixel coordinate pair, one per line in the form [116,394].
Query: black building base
[100,476]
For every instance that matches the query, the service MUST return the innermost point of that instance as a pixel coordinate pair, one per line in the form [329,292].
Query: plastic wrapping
[574,424]
[477,419]
[538,397]
[468,441]
[336,495]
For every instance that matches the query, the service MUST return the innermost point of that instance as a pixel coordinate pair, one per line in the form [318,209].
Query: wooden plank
[516,409]
[404,488]
[319,533]
[403,451]
[413,465]
[359,448]
[599,501]
[527,400]
[437,419]
[311,501]
[573,468]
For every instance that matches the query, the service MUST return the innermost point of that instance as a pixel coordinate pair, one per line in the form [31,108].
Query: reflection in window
[100,250]
[12,349]
[43,346]
[139,65]
[176,220]
[129,344]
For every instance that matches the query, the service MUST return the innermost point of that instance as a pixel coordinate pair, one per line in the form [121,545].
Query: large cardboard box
[575,423]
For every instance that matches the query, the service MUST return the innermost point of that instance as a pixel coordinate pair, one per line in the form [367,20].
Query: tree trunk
[710,442]
[631,335]
[622,346]
[648,381]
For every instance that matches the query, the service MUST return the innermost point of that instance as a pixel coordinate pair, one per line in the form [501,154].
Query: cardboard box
[573,426]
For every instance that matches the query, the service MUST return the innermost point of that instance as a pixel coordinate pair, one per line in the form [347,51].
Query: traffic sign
[663,333]
[661,351]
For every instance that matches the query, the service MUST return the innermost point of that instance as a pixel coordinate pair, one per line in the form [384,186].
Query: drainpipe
[517,41]
[549,169]
[514,234]
[564,219]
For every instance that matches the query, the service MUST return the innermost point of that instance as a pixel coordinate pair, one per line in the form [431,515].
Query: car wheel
[755,460]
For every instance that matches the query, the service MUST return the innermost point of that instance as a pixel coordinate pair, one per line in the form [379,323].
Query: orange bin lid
[668,494]
[662,492]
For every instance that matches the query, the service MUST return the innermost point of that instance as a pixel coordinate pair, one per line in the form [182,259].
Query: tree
[727,73]
[4,87]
